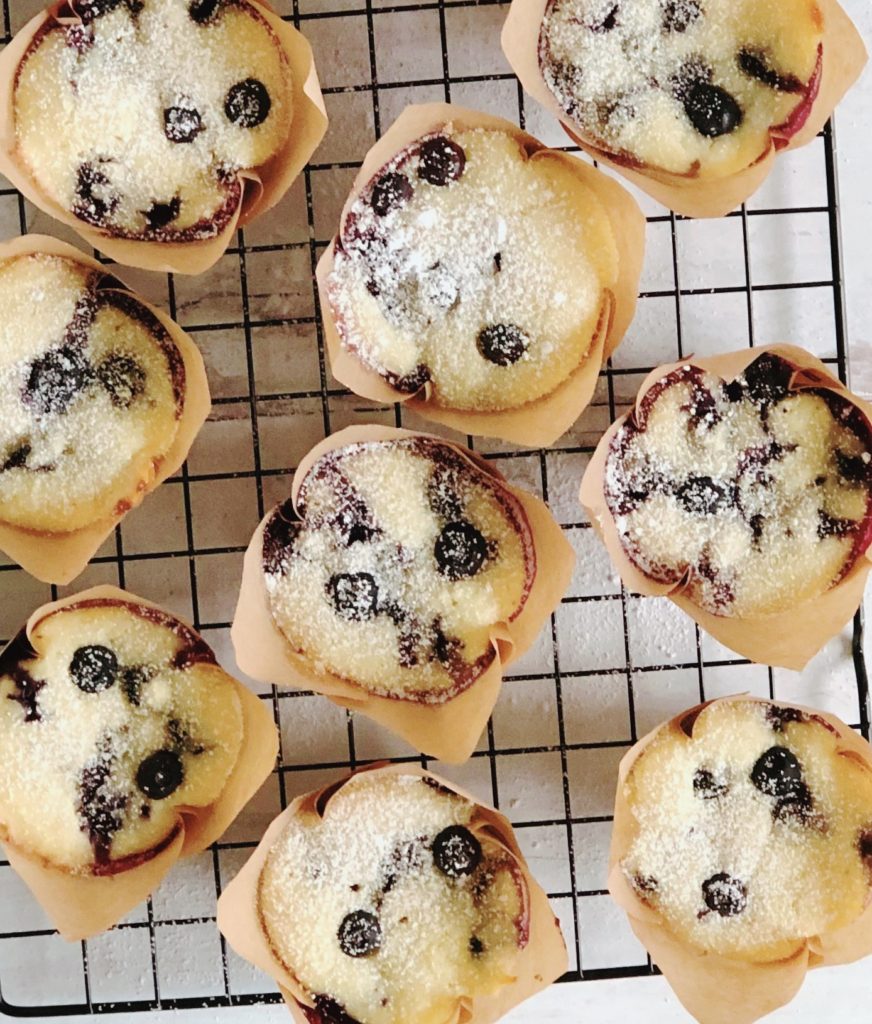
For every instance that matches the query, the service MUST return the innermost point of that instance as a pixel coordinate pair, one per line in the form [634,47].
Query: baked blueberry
[502,344]
[442,160]
[359,934]
[725,895]
[94,668]
[160,774]
[456,851]
[248,103]
[461,550]
[182,123]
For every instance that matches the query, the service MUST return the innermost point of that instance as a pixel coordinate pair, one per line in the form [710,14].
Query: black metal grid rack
[256,318]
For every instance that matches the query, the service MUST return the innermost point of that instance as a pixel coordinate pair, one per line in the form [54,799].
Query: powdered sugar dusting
[437,938]
[88,387]
[751,833]
[758,495]
[625,72]
[406,558]
[131,121]
[513,246]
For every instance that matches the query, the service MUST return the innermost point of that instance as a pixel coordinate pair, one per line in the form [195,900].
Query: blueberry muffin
[754,495]
[394,565]
[475,263]
[391,901]
[92,389]
[752,829]
[114,717]
[691,87]
[138,119]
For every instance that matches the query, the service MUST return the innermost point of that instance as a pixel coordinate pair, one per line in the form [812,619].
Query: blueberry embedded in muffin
[139,119]
[390,901]
[753,495]
[476,264]
[691,87]
[114,717]
[92,390]
[398,562]
[750,829]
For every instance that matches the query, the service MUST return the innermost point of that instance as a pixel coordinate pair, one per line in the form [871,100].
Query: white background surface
[839,994]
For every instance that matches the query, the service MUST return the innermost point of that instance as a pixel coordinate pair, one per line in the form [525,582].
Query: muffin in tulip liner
[392,896]
[740,487]
[742,852]
[479,277]
[102,396]
[156,128]
[689,101]
[126,746]
[399,579]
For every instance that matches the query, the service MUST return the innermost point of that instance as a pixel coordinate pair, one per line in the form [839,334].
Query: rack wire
[609,667]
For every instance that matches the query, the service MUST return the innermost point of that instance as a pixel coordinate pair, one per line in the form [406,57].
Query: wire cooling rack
[609,667]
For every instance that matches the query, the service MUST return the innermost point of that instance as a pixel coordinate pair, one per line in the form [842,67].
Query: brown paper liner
[844,58]
[263,187]
[448,731]
[541,422]
[83,905]
[717,989]
[790,638]
[541,962]
[60,557]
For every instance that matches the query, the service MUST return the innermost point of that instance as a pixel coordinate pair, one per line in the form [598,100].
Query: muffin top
[753,829]
[113,716]
[138,120]
[474,265]
[391,901]
[755,496]
[400,558]
[688,86]
[91,390]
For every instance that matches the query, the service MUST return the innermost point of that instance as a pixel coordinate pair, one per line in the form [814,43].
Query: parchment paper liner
[541,422]
[262,187]
[717,989]
[541,962]
[60,557]
[790,638]
[448,731]
[844,59]
[84,905]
